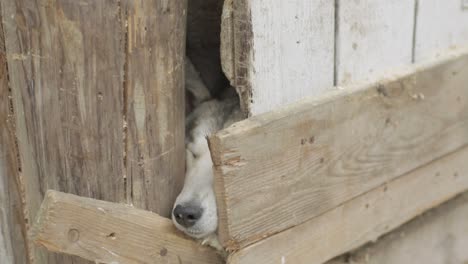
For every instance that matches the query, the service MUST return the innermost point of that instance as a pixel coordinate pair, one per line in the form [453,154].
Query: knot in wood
[73,235]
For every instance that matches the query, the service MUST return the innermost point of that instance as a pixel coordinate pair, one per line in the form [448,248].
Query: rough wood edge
[60,212]
[242,39]
[305,105]
[368,216]
[10,152]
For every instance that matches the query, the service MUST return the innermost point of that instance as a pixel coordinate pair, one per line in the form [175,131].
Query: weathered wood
[278,53]
[13,224]
[364,218]
[439,236]
[66,61]
[95,109]
[440,25]
[277,170]
[107,232]
[371,40]
[154,98]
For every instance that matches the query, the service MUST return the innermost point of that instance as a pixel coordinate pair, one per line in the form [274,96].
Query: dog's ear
[196,90]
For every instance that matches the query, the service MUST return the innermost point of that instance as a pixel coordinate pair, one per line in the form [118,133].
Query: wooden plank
[107,232]
[66,61]
[153,97]
[13,224]
[370,40]
[440,25]
[439,236]
[277,170]
[276,48]
[364,218]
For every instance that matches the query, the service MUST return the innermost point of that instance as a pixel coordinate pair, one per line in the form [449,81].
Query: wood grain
[370,40]
[277,170]
[105,232]
[66,61]
[279,53]
[441,25]
[154,99]
[96,114]
[13,221]
[439,236]
[364,218]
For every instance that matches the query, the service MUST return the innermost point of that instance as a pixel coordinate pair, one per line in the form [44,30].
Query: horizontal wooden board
[107,232]
[439,236]
[364,218]
[277,170]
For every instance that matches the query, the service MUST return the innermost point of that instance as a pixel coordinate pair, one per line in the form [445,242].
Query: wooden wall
[97,93]
[13,221]
[278,54]
[439,236]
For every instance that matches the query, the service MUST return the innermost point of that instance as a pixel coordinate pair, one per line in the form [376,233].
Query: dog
[194,211]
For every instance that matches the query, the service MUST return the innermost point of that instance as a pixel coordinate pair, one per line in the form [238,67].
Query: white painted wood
[373,37]
[285,51]
[441,25]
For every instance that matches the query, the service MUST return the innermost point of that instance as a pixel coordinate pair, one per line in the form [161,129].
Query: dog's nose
[188,215]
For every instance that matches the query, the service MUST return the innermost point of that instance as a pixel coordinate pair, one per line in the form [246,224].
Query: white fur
[207,118]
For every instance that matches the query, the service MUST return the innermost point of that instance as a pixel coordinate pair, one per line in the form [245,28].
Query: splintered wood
[280,169]
[106,232]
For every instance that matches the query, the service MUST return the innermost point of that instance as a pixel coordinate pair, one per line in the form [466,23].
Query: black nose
[188,215]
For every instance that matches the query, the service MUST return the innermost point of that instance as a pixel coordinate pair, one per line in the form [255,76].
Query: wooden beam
[439,236]
[364,218]
[280,169]
[107,232]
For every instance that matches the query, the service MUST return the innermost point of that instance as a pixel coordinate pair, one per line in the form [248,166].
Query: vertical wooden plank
[154,99]
[280,52]
[441,25]
[373,36]
[13,226]
[65,61]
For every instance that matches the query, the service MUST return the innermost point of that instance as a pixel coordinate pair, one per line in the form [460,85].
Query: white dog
[194,211]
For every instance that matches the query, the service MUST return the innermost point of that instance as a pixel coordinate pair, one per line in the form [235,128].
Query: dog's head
[194,211]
